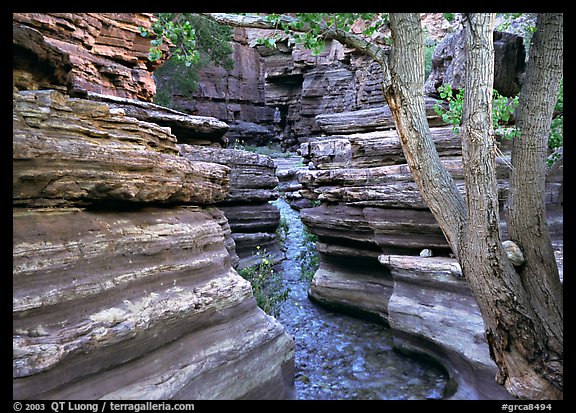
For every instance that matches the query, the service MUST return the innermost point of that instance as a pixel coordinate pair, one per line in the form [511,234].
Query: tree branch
[355,41]
[251,21]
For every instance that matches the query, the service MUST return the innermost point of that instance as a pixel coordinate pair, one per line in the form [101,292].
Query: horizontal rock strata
[123,279]
[355,286]
[97,52]
[74,151]
[252,176]
[432,311]
[163,283]
[368,120]
[253,183]
[197,130]
[371,205]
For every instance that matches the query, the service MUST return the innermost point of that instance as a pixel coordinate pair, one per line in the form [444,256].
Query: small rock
[514,253]
[455,270]
[426,252]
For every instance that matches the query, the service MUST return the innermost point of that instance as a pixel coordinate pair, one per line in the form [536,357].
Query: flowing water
[341,357]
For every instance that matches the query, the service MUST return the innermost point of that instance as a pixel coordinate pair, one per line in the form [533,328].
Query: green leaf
[154,54]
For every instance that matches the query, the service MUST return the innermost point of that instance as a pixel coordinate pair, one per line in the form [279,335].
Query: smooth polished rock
[431,311]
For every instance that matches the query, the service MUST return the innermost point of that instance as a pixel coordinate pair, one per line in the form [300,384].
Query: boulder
[514,253]
[448,64]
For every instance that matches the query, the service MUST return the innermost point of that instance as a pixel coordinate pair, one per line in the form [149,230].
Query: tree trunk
[525,212]
[405,96]
[514,331]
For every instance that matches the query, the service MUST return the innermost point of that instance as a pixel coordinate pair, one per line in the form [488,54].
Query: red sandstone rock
[97,52]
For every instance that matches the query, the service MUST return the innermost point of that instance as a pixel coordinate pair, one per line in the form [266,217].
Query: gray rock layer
[158,312]
[253,183]
[135,296]
[432,311]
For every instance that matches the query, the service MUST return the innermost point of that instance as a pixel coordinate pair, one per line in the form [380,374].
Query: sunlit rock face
[79,52]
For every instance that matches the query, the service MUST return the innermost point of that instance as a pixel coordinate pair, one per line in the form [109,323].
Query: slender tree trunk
[405,96]
[514,331]
[526,208]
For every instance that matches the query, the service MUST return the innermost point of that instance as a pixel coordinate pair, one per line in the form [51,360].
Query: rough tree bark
[405,96]
[525,211]
[524,331]
[514,331]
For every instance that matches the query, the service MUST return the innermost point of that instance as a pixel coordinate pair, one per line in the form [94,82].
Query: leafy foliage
[179,75]
[309,257]
[179,32]
[267,284]
[502,110]
[429,48]
[556,138]
[308,29]
[453,115]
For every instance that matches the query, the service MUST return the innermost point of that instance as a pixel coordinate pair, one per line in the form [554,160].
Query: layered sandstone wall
[371,212]
[79,52]
[122,266]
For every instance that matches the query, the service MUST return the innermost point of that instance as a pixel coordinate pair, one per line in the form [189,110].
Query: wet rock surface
[432,311]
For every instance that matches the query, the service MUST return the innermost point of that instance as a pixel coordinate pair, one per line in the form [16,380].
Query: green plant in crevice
[267,285]
[282,230]
[309,257]
[556,136]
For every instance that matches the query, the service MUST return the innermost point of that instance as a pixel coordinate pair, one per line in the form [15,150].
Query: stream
[338,356]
